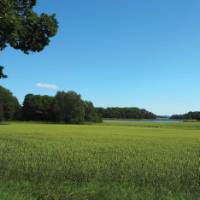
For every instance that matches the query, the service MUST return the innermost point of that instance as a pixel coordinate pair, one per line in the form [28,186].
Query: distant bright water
[143,120]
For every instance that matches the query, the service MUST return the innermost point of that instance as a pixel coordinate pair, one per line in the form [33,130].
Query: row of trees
[9,105]
[125,113]
[188,116]
[64,107]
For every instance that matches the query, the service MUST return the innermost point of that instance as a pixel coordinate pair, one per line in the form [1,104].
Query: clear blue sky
[117,53]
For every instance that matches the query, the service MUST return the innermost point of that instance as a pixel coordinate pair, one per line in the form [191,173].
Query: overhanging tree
[22,28]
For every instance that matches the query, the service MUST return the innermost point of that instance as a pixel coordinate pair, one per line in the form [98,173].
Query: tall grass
[61,162]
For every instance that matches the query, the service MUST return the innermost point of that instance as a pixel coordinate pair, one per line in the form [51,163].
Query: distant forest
[64,107]
[187,116]
[125,113]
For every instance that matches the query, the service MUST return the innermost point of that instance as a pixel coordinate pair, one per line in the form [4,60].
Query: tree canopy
[68,107]
[2,75]
[38,108]
[64,107]
[187,116]
[91,114]
[24,29]
[9,105]
[125,113]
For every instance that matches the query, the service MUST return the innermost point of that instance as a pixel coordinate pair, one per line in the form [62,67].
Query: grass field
[111,161]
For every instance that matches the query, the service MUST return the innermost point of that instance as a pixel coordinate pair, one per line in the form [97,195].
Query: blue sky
[143,53]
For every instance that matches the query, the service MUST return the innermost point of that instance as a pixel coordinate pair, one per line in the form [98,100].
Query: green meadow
[109,161]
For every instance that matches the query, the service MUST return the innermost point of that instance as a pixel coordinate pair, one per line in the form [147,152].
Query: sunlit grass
[108,161]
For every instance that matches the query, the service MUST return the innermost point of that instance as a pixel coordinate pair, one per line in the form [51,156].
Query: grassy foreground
[92,162]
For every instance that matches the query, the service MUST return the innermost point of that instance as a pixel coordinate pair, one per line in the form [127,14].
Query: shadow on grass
[4,124]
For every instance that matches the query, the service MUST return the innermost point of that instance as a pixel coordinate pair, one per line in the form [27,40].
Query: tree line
[125,113]
[187,116]
[64,107]
[9,105]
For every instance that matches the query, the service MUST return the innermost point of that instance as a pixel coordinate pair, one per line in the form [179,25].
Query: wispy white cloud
[47,86]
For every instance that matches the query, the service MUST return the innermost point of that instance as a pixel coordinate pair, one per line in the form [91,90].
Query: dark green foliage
[1,112]
[38,108]
[90,112]
[2,75]
[179,117]
[63,108]
[9,105]
[68,107]
[22,28]
[125,113]
[188,116]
